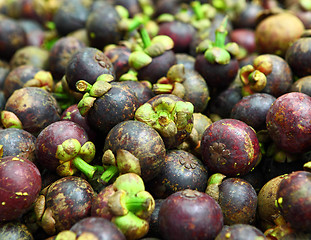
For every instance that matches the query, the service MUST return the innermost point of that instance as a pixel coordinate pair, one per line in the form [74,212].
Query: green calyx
[72,157]
[253,78]
[131,205]
[166,115]
[131,226]
[172,83]
[151,48]
[123,162]
[92,92]
[10,120]
[217,51]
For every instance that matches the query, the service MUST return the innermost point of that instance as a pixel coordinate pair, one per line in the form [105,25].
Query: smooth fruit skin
[20,184]
[289,122]
[190,214]
[230,146]
[294,200]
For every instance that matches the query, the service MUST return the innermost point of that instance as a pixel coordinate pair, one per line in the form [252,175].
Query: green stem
[196,7]
[145,37]
[135,23]
[221,33]
[109,173]
[135,204]
[87,169]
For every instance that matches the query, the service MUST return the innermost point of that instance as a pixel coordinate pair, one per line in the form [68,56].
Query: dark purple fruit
[190,214]
[71,16]
[222,103]
[288,122]
[72,113]
[119,57]
[141,90]
[12,37]
[87,64]
[218,76]
[294,200]
[15,230]
[18,142]
[142,141]
[97,227]
[20,184]
[63,203]
[117,105]
[238,201]
[154,230]
[54,135]
[33,107]
[181,33]
[230,147]
[102,26]
[181,170]
[23,76]
[34,32]
[253,109]
[196,90]
[268,73]
[245,38]
[158,67]
[240,232]
[297,56]
[61,53]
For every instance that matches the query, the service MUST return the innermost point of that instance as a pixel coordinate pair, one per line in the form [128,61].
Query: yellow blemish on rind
[3,203]
[21,193]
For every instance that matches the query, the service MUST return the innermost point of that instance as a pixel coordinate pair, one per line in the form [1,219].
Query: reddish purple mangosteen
[54,135]
[190,214]
[20,184]
[289,122]
[230,147]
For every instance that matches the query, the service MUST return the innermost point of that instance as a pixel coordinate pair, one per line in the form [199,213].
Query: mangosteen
[63,203]
[288,122]
[30,108]
[60,54]
[143,145]
[190,214]
[230,147]
[294,200]
[181,170]
[27,76]
[20,186]
[236,197]
[253,109]
[88,64]
[269,73]
[296,56]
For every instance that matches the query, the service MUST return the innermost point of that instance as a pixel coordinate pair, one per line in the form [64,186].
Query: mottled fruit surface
[289,122]
[230,147]
[294,200]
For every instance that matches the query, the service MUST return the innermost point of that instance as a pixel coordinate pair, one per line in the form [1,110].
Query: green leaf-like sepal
[139,59]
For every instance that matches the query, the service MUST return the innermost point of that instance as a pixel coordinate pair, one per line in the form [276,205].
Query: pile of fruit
[155,119]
